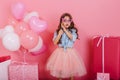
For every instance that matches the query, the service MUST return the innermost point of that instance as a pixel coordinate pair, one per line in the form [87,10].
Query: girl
[65,61]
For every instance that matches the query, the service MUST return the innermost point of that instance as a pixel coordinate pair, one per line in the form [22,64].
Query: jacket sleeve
[74,34]
[55,35]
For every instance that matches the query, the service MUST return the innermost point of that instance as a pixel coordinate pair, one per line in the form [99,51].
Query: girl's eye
[64,20]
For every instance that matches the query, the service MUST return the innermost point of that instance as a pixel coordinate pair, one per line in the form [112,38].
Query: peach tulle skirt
[65,63]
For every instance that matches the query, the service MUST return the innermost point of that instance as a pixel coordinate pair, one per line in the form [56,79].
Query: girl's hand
[62,26]
[60,32]
[56,40]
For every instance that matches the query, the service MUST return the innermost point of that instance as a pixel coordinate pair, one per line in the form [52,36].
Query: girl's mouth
[66,25]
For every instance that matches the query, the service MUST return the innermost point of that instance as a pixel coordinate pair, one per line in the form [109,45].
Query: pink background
[92,17]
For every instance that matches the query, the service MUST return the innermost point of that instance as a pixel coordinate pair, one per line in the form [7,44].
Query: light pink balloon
[21,27]
[11,41]
[29,39]
[40,51]
[18,10]
[29,15]
[37,25]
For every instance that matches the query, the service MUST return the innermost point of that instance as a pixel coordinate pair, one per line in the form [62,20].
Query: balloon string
[24,57]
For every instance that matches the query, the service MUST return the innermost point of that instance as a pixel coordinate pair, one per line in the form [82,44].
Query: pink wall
[92,17]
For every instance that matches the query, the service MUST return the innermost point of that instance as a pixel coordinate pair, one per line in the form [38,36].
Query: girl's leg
[72,78]
[60,78]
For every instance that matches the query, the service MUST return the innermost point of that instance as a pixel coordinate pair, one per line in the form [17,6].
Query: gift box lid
[4,58]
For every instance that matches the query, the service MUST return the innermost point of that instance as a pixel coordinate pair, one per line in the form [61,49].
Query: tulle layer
[65,63]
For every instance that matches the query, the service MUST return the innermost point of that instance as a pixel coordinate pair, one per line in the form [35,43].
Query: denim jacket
[65,41]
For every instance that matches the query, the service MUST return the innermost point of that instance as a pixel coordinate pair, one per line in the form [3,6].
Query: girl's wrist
[59,34]
[64,30]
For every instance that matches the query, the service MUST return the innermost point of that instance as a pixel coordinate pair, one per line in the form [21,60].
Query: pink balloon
[29,39]
[37,25]
[40,51]
[12,21]
[21,27]
[18,10]
[38,46]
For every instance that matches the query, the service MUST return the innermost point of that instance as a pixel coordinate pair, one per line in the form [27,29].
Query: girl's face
[66,21]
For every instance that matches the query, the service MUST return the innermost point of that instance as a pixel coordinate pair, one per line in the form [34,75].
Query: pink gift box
[103,76]
[22,71]
[111,56]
